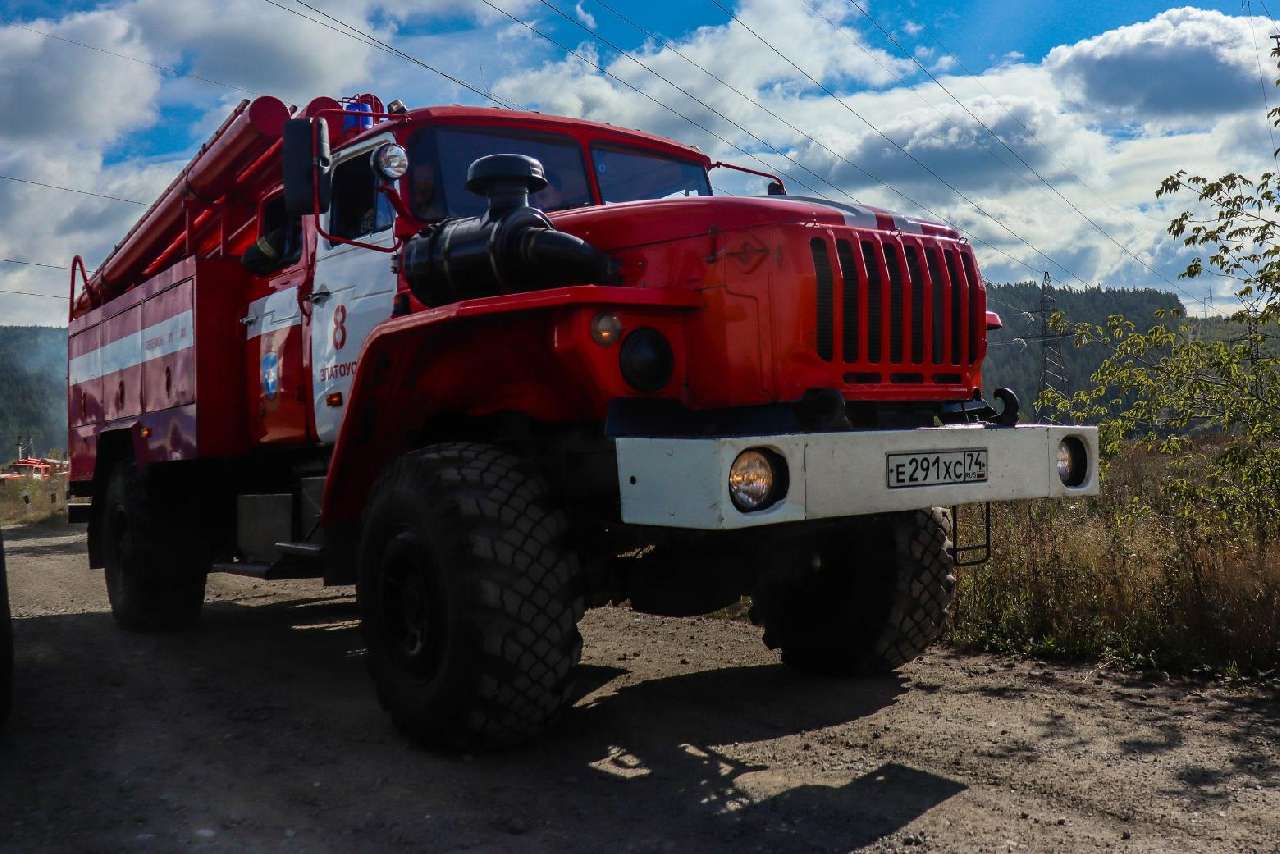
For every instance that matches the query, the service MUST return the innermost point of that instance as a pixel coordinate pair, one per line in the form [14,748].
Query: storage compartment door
[168,348]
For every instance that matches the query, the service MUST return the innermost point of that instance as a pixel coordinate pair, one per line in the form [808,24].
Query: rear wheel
[877,598]
[155,580]
[6,643]
[469,599]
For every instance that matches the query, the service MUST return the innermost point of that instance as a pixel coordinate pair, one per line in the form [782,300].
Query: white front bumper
[684,483]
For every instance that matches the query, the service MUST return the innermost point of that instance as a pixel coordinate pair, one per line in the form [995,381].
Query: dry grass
[1120,578]
[26,500]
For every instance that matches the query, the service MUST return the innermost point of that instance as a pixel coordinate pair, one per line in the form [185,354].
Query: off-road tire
[155,577]
[6,643]
[879,601]
[469,598]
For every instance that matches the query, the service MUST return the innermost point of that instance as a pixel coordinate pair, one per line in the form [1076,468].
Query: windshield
[627,174]
[437,182]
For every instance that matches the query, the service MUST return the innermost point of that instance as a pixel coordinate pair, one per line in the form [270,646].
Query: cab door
[354,288]
[278,392]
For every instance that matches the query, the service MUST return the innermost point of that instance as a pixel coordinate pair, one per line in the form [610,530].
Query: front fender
[475,357]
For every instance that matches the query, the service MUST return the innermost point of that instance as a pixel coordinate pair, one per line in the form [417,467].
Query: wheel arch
[527,353]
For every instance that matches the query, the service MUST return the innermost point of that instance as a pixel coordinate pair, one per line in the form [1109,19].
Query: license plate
[937,468]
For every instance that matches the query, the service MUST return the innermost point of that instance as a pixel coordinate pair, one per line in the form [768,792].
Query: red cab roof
[579,128]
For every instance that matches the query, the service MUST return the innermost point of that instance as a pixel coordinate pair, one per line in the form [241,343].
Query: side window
[279,242]
[358,209]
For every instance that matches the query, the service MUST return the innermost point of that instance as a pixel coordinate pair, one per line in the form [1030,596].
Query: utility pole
[1053,371]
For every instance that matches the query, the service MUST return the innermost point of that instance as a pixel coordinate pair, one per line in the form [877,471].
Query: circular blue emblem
[270,374]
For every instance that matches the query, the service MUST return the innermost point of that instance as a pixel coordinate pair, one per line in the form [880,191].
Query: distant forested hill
[33,383]
[1017,365]
[33,359]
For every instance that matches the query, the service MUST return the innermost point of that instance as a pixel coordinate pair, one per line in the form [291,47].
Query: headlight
[757,479]
[391,161]
[1073,461]
[646,360]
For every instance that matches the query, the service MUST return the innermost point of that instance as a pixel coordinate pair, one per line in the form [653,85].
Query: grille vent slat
[851,321]
[917,304]
[875,290]
[939,304]
[825,298]
[977,315]
[958,288]
[895,303]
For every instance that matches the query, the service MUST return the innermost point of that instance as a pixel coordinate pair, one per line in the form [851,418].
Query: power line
[669,45]
[168,69]
[30,294]
[359,35]
[893,39]
[958,193]
[641,92]
[692,97]
[33,264]
[1246,6]
[70,190]
[1009,113]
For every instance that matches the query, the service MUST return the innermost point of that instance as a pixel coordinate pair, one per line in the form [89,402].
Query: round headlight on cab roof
[391,161]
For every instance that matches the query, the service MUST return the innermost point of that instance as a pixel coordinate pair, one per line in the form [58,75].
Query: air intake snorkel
[510,248]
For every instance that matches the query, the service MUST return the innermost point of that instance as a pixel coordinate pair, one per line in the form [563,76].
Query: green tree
[1212,403]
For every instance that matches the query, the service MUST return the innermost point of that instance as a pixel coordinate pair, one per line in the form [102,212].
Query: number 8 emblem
[340,327]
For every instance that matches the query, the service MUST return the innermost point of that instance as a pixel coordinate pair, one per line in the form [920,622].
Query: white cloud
[1094,118]
[42,81]
[1176,69]
[944,64]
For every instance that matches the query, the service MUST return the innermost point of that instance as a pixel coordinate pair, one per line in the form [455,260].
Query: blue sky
[1101,99]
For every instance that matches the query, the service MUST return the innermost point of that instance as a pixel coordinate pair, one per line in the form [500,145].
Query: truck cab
[496,367]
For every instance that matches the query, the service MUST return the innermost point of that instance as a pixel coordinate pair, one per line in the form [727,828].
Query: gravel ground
[260,732]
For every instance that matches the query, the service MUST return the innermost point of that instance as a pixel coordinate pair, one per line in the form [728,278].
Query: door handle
[318,297]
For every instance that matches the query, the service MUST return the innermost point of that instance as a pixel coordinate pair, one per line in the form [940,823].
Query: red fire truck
[495,367]
[33,468]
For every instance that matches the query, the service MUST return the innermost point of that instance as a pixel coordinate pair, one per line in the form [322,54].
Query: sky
[1041,130]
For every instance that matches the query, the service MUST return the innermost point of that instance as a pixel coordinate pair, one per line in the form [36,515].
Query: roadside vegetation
[1177,564]
[24,500]
[1146,575]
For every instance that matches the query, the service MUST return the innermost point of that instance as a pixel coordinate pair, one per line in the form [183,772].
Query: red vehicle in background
[494,367]
[34,468]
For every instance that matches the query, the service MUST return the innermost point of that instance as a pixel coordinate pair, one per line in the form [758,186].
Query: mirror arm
[387,188]
[333,238]
[720,164]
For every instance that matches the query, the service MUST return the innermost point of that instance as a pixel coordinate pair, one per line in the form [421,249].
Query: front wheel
[876,598]
[469,599]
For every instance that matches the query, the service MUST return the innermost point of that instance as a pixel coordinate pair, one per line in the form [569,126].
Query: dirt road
[260,732]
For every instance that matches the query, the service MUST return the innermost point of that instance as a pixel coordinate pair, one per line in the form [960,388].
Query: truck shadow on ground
[261,729]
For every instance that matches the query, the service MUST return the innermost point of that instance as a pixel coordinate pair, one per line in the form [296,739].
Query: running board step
[278,571]
[309,551]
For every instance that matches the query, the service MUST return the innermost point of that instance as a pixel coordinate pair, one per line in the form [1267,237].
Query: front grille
[929,290]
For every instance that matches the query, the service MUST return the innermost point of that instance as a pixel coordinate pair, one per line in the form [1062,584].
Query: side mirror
[308,181]
[776,189]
